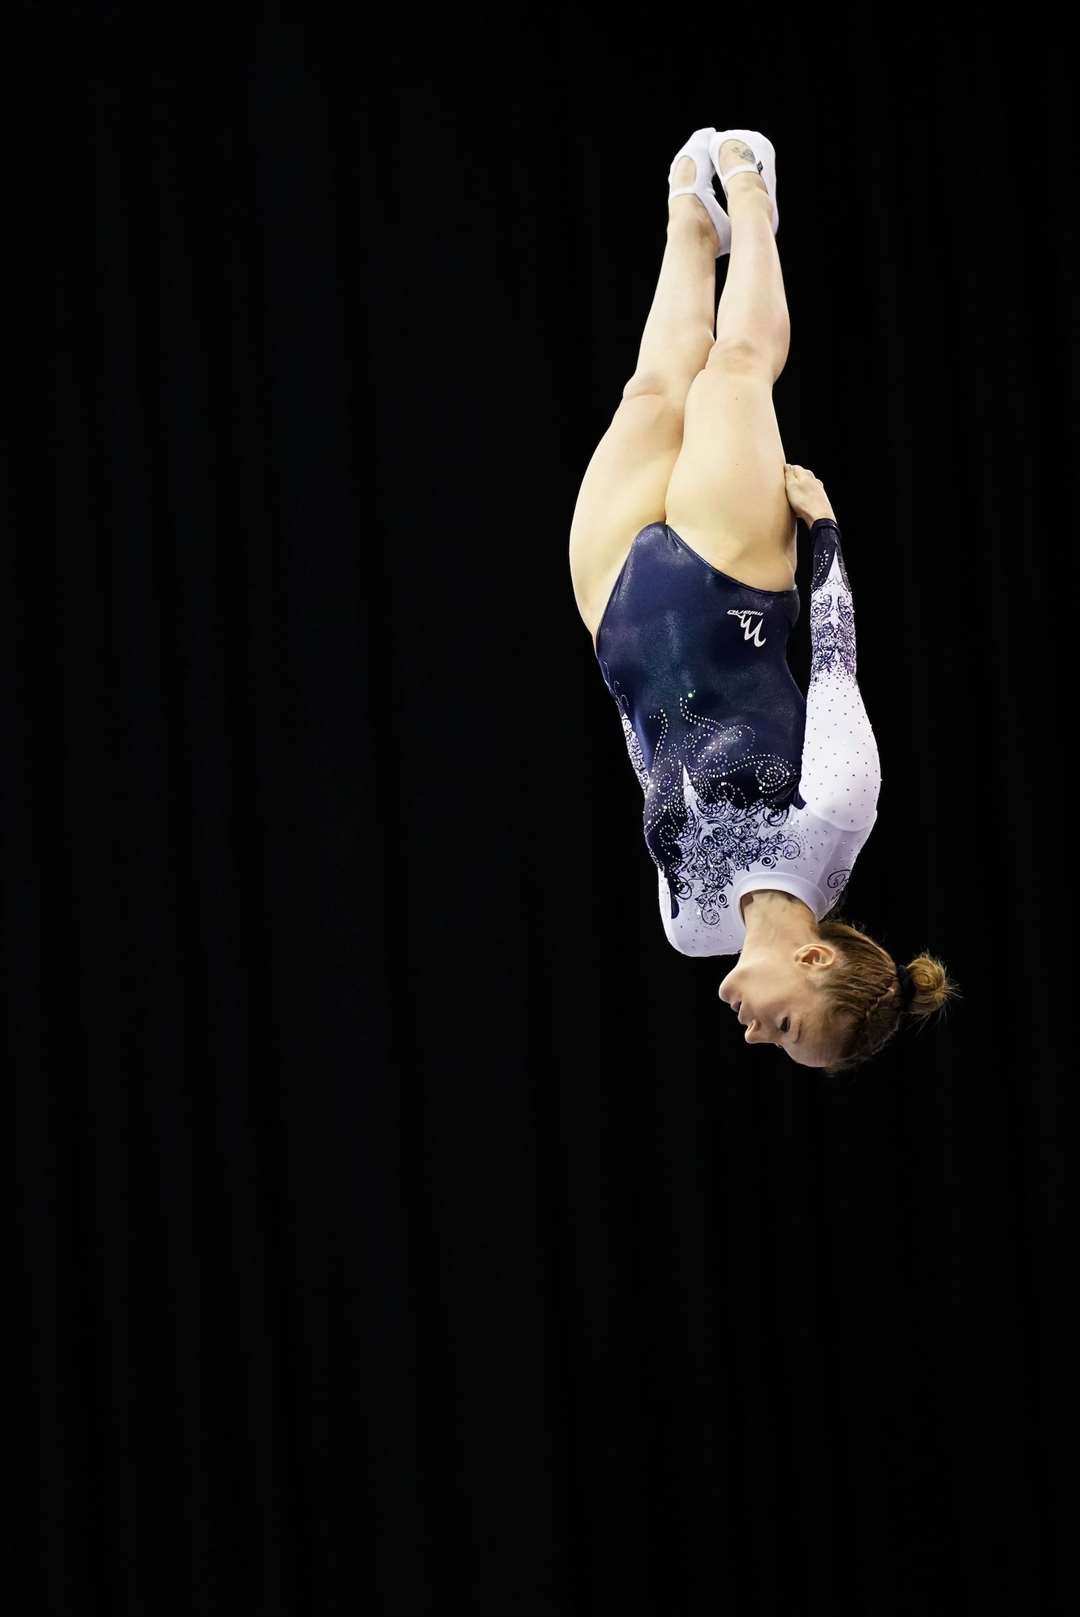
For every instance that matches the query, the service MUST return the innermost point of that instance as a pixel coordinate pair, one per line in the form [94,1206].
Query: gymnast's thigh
[727,495]
[623,490]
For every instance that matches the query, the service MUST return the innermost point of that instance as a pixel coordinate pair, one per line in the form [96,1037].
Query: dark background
[401,1222]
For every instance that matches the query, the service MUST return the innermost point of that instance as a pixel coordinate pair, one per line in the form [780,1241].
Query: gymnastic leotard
[747,783]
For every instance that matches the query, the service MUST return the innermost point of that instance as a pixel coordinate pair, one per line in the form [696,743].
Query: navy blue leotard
[747,783]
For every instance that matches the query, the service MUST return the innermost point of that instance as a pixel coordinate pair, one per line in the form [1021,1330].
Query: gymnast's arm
[841,770]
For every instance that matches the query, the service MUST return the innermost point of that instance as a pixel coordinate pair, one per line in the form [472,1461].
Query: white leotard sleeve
[841,770]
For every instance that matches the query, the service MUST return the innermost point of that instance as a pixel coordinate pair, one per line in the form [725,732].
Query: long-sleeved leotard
[746,783]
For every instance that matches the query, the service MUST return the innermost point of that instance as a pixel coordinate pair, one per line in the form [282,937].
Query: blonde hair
[862,993]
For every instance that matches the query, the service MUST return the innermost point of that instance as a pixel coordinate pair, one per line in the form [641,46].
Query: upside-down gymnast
[757,800]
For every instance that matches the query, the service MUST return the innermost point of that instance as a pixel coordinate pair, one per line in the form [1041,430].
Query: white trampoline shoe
[698,147]
[764,162]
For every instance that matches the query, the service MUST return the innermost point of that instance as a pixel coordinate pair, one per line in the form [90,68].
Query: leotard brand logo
[751,631]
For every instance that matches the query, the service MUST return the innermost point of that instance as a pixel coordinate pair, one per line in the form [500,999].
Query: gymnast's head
[822,991]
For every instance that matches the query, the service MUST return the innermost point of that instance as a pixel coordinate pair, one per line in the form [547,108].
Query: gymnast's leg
[727,496]
[625,483]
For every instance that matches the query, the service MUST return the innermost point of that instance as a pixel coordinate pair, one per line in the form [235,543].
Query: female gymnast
[757,799]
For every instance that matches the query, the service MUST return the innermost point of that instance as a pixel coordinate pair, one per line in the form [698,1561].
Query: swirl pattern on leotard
[833,641]
[733,815]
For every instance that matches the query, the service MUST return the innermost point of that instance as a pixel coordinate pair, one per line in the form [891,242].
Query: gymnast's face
[775,991]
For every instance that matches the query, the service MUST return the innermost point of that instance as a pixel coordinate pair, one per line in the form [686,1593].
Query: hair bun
[931,984]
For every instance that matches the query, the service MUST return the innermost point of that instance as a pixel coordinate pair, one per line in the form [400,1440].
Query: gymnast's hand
[806,494]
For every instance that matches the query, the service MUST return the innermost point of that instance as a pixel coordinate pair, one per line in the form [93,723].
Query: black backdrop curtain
[401,1221]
